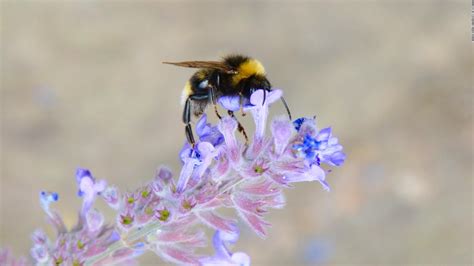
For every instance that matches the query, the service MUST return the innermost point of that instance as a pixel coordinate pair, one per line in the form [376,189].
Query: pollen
[259,170]
[80,245]
[145,194]
[149,210]
[187,205]
[164,215]
[127,220]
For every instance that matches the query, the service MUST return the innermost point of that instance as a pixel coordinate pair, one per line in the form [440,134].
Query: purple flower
[46,198]
[88,188]
[223,256]
[259,108]
[298,122]
[227,126]
[330,151]
[207,132]
[191,159]
[94,220]
[317,147]
[111,197]
[232,102]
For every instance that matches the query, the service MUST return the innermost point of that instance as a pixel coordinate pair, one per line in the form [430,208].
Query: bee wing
[205,64]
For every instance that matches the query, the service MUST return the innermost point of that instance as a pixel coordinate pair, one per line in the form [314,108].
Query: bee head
[255,82]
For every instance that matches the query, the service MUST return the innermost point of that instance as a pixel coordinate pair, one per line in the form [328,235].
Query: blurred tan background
[82,85]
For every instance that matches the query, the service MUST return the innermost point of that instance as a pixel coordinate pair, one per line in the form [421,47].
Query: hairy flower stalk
[165,215]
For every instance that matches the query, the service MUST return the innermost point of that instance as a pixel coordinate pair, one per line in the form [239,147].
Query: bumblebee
[234,75]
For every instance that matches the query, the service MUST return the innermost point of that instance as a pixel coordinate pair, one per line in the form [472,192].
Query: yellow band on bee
[247,69]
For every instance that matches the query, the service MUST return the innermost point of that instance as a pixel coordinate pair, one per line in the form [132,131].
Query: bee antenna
[286,107]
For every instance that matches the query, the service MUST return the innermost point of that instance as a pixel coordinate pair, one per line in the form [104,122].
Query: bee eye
[203,84]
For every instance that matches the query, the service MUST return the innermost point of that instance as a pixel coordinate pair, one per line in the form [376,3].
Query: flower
[223,256]
[163,216]
[317,147]
[232,102]
[207,132]
[260,106]
[46,198]
[111,197]
[89,188]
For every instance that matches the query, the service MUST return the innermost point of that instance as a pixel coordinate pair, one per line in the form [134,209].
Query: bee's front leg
[212,97]
[187,121]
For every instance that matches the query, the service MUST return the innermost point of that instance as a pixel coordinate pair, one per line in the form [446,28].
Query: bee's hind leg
[240,127]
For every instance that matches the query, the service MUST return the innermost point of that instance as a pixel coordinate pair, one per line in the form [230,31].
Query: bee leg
[189,135]
[242,104]
[286,107]
[240,127]
[187,115]
[187,122]
[212,96]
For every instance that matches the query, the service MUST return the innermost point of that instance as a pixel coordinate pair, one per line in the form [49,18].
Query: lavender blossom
[165,215]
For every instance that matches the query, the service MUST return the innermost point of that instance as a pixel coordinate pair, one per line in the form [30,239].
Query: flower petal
[217,222]
[227,126]
[231,103]
[282,130]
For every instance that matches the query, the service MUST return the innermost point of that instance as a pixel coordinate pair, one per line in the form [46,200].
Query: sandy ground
[82,85]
